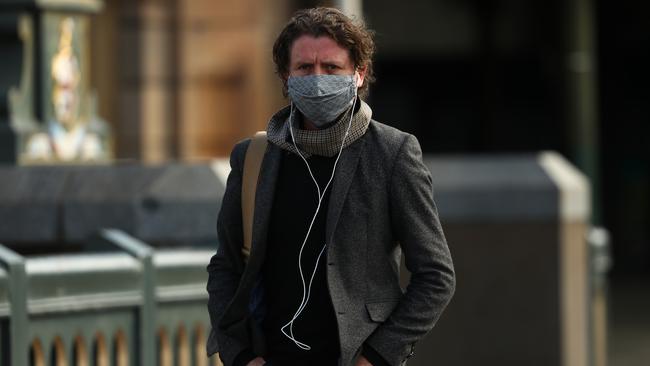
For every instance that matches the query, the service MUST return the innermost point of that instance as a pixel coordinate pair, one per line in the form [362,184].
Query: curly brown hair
[350,34]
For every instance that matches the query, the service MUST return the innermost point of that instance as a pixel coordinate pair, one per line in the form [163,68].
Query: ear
[361,71]
[284,78]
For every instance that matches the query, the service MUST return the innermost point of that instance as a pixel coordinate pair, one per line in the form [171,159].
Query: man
[339,198]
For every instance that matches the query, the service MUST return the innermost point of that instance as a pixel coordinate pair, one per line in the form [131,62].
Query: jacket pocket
[381,310]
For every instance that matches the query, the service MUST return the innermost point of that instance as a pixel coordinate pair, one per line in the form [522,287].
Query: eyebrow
[300,63]
[324,62]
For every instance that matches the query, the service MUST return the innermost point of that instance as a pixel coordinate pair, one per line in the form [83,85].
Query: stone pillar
[147,80]
[188,78]
[227,88]
[16,79]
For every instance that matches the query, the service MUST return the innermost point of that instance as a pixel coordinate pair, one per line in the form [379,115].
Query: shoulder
[240,147]
[386,140]
[238,154]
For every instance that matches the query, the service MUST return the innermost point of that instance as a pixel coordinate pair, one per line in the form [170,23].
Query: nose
[318,69]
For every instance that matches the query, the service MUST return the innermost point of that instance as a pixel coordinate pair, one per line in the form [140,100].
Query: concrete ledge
[492,188]
[167,204]
[574,187]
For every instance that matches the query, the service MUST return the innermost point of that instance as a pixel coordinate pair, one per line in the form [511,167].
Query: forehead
[310,48]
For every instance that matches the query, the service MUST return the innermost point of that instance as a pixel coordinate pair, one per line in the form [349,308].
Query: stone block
[516,228]
[29,203]
[181,206]
[172,204]
[104,197]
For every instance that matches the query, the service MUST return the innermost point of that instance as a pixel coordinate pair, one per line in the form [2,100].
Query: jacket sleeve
[227,265]
[414,218]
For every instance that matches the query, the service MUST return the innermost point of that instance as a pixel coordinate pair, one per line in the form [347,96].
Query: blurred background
[168,85]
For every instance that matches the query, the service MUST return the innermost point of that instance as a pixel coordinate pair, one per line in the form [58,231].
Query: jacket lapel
[343,177]
[264,196]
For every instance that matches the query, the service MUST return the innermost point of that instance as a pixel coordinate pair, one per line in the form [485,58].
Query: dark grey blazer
[381,205]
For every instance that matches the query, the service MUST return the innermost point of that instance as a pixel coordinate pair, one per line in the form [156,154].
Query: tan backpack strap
[252,166]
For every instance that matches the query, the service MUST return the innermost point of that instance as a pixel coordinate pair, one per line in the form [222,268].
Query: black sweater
[294,205]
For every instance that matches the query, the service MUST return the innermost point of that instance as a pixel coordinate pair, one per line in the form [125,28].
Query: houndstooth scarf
[325,142]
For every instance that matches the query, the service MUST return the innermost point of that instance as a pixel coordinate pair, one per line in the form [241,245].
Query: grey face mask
[322,98]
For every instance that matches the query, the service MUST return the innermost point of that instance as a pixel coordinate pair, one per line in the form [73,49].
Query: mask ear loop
[306,290]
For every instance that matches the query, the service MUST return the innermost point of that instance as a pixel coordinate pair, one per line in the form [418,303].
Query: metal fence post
[17,281]
[598,239]
[147,326]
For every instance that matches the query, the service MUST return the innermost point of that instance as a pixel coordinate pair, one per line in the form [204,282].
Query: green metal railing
[119,302]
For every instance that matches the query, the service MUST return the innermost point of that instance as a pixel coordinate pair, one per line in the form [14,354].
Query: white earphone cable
[306,290]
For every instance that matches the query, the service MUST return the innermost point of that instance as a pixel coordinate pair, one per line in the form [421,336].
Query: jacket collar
[343,177]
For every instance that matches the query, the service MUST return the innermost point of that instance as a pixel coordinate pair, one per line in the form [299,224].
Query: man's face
[321,56]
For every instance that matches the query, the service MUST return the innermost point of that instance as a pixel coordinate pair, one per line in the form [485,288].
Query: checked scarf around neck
[325,142]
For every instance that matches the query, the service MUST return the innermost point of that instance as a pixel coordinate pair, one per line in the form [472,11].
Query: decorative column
[47,109]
